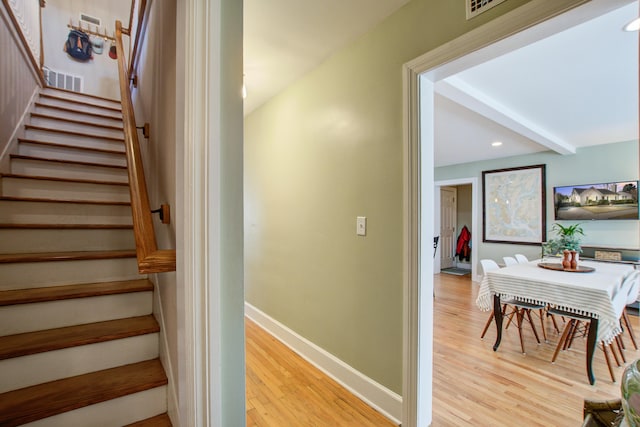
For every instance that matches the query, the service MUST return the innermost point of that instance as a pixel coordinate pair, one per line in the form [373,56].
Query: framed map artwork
[514,205]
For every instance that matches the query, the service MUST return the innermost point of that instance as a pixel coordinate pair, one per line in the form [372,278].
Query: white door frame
[473,181]
[495,38]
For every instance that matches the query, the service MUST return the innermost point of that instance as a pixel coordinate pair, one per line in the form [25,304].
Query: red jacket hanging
[462,248]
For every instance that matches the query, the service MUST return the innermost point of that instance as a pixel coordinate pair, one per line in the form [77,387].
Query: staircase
[78,340]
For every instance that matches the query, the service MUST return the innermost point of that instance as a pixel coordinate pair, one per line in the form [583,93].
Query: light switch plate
[361,225]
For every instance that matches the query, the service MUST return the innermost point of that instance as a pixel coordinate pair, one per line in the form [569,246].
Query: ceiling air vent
[476,7]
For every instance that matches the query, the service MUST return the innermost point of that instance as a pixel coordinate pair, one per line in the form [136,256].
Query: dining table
[597,290]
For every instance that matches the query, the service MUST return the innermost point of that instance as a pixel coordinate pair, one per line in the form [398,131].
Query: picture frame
[514,205]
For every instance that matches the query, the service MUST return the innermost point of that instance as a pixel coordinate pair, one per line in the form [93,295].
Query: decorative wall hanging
[514,205]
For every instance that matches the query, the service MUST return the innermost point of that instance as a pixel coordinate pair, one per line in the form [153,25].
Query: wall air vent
[476,7]
[63,80]
[89,19]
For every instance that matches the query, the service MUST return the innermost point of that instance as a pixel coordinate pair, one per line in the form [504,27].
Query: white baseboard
[376,395]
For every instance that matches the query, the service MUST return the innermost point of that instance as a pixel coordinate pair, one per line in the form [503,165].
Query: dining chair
[520,309]
[577,324]
[521,258]
[509,260]
[632,297]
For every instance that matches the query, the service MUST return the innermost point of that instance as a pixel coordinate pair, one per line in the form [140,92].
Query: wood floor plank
[44,400]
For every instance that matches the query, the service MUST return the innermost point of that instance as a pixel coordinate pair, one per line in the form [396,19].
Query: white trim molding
[375,395]
[427,69]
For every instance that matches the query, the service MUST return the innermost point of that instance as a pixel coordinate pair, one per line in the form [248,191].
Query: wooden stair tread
[45,400]
[76,122]
[70,146]
[71,110]
[43,226]
[59,179]
[66,256]
[44,200]
[74,133]
[55,293]
[75,101]
[70,162]
[161,420]
[72,336]
[83,94]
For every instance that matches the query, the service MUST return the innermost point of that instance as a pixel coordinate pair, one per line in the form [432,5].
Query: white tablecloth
[601,294]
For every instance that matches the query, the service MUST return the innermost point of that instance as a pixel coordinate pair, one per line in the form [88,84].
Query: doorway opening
[464,215]
[503,34]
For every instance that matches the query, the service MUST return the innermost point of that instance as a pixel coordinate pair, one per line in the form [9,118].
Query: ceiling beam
[462,93]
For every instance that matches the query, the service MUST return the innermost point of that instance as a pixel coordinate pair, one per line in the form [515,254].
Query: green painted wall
[601,163]
[325,150]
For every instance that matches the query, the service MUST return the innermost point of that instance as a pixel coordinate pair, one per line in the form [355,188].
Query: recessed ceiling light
[633,25]
[496,144]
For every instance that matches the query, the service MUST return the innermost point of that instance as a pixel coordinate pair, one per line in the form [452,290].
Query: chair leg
[632,335]
[486,326]
[533,326]
[615,355]
[620,345]
[606,357]
[562,340]
[555,324]
[544,332]
[519,318]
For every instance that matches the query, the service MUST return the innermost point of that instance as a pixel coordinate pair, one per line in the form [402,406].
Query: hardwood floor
[472,384]
[285,390]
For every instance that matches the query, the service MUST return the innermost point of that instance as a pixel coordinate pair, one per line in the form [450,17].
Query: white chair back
[634,287]
[509,260]
[488,265]
[521,258]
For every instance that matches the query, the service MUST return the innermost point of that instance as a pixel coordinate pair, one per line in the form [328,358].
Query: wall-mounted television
[602,201]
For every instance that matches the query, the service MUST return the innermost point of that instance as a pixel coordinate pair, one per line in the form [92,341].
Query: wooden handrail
[150,259]
[136,42]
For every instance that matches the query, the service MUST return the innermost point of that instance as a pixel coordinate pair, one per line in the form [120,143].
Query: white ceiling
[574,89]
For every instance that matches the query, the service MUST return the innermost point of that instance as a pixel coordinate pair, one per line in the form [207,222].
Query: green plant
[568,237]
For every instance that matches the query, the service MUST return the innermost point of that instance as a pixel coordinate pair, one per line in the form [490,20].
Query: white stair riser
[79,140]
[64,240]
[25,371]
[75,127]
[42,274]
[112,413]
[64,153]
[107,120]
[15,212]
[61,190]
[70,97]
[66,170]
[88,108]
[17,319]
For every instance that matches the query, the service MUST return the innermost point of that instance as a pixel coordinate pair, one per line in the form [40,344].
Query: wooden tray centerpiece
[558,266]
